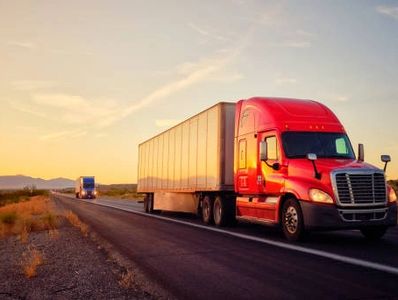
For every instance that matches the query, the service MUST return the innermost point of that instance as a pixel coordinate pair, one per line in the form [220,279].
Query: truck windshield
[88,184]
[323,144]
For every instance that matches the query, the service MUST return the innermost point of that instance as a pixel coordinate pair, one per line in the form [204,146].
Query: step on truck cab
[284,162]
[85,187]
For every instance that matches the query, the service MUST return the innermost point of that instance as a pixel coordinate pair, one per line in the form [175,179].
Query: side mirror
[263,151]
[385,159]
[361,152]
[312,156]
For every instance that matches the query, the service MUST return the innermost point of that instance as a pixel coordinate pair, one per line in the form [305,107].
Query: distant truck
[85,187]
[283,162]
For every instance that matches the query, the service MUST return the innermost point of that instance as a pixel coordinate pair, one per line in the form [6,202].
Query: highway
[248,261]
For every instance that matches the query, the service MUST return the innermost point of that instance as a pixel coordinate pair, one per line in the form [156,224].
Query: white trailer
[176,167]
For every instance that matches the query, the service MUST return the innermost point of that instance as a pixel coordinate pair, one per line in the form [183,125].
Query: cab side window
[242,154]
[272,147]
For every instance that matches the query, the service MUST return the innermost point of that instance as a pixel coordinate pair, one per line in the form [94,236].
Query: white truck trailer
[193,157]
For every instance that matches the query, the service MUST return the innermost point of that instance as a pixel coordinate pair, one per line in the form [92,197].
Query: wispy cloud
[22,44]
[30,85]
[227,77]
[27,108]
[193,73]
[61,101]
[285,80]
[298,39]
[67,109]
[198,29]
[166,123]
[342,98]
[207,33]
[78,110]
[63,134]
[337,98]
[390,11]
[294,44]
[75,109]
[304,33]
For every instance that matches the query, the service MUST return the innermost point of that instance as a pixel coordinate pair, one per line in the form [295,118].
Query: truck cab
[295,167]
[85,187]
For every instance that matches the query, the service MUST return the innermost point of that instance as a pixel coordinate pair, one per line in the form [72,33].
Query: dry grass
[75,221]
[24,235]
[31,259]
[127,279]
[23,217]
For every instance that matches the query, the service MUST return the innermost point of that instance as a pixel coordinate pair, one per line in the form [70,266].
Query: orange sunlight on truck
[283,162]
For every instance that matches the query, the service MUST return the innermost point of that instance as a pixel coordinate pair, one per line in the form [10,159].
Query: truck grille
[360,189]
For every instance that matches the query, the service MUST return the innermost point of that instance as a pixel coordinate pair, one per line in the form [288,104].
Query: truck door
[272,170]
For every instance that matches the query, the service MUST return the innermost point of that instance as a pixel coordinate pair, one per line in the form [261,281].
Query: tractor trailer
[85,187]
[275,161]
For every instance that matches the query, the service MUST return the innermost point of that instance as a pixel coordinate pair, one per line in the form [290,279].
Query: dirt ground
[73,267]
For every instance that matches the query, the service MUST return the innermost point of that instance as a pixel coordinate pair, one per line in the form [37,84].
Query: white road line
[320,253]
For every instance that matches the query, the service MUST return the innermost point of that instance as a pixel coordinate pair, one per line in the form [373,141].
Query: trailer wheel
[373,233]
[292,220]
[148,203]
[221,211]
[207,210]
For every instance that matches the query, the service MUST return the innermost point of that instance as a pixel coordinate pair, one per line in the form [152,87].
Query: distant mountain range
[21,181]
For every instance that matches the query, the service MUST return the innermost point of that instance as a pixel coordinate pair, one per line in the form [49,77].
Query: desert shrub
[49,220]
[15,196]
[75,221]
[8,217]
[31,259]
[24,217]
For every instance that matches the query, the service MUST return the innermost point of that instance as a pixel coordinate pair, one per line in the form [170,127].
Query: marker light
[392,196]
[320,196]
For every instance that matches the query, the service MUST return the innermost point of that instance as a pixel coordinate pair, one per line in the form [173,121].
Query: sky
[82,83]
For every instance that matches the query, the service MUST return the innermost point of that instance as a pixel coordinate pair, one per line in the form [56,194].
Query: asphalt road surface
[192,261]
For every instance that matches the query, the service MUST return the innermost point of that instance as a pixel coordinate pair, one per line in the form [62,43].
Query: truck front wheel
[292,220]
[207,210]
[374,232]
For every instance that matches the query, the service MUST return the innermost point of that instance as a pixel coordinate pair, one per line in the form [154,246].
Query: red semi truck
[285,162]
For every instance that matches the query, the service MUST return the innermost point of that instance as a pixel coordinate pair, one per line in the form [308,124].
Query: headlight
[83,192]
[320,196]
[392,197]
[95,192]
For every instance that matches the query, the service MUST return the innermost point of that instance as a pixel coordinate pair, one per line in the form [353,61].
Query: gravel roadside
[73,267]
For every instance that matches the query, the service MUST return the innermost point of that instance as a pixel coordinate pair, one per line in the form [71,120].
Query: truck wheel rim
[291,219]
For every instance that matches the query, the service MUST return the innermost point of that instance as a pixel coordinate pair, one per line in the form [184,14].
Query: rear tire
[207,210]
[374,233]
[148,203]
[223,211]
[292,220]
